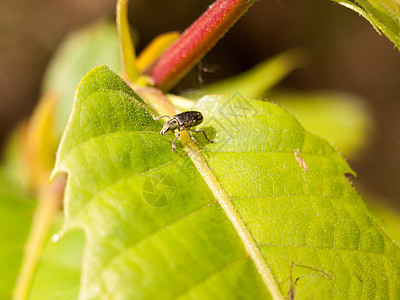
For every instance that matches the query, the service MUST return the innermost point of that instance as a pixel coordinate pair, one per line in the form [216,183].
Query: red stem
[196,41]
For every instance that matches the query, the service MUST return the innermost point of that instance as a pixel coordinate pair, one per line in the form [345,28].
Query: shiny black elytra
[183,121]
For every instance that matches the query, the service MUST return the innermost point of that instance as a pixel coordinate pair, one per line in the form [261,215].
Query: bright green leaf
[15,220]
[154,225]
[384,15]
[341,118]
[81,51]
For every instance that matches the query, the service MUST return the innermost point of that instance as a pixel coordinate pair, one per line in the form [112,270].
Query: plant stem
[196,41]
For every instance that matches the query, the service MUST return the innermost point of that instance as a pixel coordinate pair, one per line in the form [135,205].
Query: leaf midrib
[224,201]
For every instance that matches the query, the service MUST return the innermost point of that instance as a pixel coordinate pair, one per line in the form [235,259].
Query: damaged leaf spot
[301,161]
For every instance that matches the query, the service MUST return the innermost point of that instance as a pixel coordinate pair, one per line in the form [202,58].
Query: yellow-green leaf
[155,48]
[255,82]
[128,54]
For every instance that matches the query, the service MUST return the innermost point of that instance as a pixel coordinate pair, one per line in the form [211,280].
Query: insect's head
[165,128]
[170,125]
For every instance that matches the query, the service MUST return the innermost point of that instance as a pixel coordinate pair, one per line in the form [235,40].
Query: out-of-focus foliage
[81,51]
[256,82]
[16,210]
[129,65]
[59,269]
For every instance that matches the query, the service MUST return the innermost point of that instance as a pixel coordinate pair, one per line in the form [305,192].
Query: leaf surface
[157,229]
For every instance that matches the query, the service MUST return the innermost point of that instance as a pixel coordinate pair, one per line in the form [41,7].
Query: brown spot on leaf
[301,161]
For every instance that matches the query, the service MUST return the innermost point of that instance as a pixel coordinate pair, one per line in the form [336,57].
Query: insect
[183,121]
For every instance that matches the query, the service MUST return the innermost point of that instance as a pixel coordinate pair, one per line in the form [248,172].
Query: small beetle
[183,121]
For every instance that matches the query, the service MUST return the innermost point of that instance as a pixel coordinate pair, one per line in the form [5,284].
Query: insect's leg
[177,134]
[184,128]
[159,117]
[200,130]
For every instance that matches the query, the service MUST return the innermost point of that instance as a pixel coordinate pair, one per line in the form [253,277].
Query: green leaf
[81,51]
[384,15]
[15,219]
[341,118]
[223,221]
[59,269]
[255,82]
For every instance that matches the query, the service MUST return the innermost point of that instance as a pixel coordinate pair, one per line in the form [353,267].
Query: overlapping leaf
[155,231]
[384,15]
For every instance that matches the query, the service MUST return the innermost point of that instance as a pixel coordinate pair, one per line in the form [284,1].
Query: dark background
[346,54]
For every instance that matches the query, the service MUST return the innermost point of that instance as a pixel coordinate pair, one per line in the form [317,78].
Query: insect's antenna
[149,126]
[155,129]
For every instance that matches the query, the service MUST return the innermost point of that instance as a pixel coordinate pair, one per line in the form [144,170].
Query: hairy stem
[196,41]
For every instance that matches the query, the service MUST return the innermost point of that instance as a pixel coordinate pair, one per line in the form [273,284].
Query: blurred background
[345,54]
